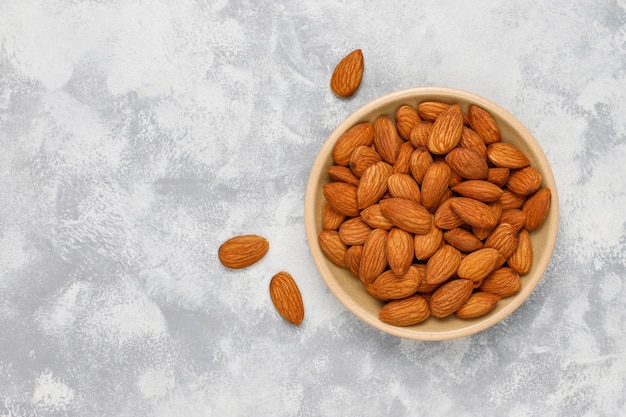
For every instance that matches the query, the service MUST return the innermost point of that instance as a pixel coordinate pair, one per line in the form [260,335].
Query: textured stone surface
[137,136]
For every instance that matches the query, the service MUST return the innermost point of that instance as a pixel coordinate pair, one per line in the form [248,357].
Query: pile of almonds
[432,211]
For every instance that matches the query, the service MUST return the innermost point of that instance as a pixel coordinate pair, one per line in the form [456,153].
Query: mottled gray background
[136,136]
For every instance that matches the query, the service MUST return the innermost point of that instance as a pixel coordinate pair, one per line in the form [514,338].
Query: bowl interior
[349,290]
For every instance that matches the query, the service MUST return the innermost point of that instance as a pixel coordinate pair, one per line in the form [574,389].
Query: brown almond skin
[403,186]
[373,184]
[374,217]
[462,239]
[478,264]
[332,246]
[430,110]
[419,134]
[536,208]
[361,134]
[331,219]
[362,158]
[402,165]
[392,286]
[506,155]
[477,305]
[419,163]
[504,238]
[353,259]
[427,244]
[354,231]
[405,312]
[286,298]
[498,176]
[443,264]
[503,282]
[524,181]
[374,258]
[400,250]
[479,189]
[347,75]
[510,200]
[468,163]
[446,218]
[514,217]
[484,124]
[522,259]
[446,131]
[435,184]
[342,174]
[386,139]
[407,215]
[342,197]
[449,297]
[471,140]
[406,119]
[474,212]
[242,251]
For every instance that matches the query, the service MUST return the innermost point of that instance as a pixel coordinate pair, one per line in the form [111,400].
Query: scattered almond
[286,298]
[242,251]
[347,75]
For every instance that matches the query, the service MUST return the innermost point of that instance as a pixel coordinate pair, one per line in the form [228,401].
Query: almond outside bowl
[349,289]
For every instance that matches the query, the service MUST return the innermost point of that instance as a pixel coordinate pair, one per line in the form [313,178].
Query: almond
[524,181]
[353,259]
[484,124]
[455,179]
[332,246]
[400,250]
[405,312]
[403,186]
[286,298]
[504,238]
[386,139]
[373,184]
[342,197]
[242,251]
[536,208]
[419,134]
[510,200]
[357,135]
[477,305]
[498,176]
[354,231]
[478,264]
[402,164]
[522,259]
[374,258]
[445,217]
[331,219]
[479,189]
[471,140]
[430,110]
[449,297]
[443,264]
[506,155]
[374,217]
[446,131]
[474,212]
[342,174]
[503,282]
[347,75]
[392,286]
[369,287]
[462,239]
[435,184]
[514,217]
[406,119]
[467,163]
[407,215]
[427,244]
[362,158]
[419,163]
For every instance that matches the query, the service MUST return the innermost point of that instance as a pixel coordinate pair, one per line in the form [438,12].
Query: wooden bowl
[349,290]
